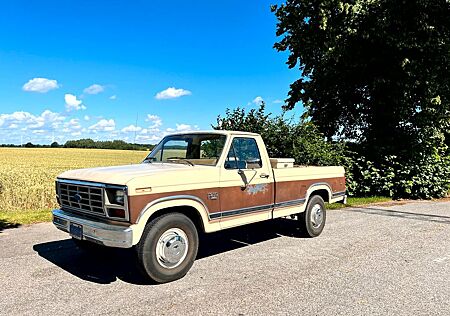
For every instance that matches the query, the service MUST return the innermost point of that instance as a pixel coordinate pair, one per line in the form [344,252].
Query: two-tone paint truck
[191,183]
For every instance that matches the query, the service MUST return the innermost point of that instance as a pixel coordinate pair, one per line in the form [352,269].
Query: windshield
[192,149]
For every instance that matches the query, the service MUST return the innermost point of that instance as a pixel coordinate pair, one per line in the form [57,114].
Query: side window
[243,154]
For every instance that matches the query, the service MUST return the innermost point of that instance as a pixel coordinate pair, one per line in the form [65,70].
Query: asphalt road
[380,260]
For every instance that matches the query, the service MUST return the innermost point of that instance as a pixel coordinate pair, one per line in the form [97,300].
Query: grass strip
[11,219]
[359,201]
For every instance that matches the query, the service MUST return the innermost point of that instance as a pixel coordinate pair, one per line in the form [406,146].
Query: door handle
[263,175]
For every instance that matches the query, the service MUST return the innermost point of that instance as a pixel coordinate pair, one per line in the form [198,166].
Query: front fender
[169,202]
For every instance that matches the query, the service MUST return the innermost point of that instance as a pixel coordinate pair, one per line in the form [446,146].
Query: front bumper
[107,234]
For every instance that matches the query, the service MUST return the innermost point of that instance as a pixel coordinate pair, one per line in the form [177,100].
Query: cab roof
[220,132]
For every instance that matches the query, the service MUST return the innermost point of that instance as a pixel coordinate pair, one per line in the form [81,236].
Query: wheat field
[27,177]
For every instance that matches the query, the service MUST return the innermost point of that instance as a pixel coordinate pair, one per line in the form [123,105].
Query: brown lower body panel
[232,201]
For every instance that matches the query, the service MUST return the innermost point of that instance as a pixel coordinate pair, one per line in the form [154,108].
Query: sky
[133,70]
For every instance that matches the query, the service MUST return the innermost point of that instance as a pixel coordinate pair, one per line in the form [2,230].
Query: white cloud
[94,89]
[172,93]
[258,100]
[103,126]
[277,101]
[25,120]
[148,138]
[131,128]
[17,117]
[155,121]
[185,128]
[38,131]
[113,97]
[72,125]
[40,85]
[87,118]
[47,118]
[72,103]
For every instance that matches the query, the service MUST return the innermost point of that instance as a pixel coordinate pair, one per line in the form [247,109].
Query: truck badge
[213,195]
[76,198]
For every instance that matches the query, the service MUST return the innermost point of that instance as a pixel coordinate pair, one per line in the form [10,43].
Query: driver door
[246,185]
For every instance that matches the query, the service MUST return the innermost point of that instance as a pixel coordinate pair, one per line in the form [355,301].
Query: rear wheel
[312,220]
[168,247]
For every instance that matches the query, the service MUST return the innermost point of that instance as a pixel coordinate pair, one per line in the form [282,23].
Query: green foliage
[29,145]
[115,144]
[284,137]
[212,148]
[428,177]
[374,71]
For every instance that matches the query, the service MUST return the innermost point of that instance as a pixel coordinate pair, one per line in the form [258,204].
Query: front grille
[84,198]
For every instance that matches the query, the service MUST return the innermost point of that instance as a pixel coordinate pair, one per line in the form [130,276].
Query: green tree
[29,145]
[373,71]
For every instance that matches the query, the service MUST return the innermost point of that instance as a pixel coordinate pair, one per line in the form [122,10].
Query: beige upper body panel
[306,172]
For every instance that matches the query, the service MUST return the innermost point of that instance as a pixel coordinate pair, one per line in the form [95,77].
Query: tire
[168,247]
[312,220]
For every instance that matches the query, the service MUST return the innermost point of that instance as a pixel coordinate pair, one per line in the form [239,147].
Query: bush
[425,177]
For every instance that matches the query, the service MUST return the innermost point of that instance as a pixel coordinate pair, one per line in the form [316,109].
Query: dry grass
[27,177]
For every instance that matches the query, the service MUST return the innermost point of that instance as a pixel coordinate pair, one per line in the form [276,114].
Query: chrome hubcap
[172,248]
[316,215]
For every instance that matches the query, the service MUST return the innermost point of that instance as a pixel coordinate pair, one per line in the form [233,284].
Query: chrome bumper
[110,235]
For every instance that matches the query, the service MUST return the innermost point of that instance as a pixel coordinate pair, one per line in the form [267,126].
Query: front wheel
[312,220]
[168,247]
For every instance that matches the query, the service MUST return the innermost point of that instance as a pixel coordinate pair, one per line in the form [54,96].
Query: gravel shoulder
[380,259]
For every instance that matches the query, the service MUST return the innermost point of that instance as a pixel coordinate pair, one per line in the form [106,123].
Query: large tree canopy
[374,71]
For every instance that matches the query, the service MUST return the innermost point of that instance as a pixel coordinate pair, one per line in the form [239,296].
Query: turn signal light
[116,212]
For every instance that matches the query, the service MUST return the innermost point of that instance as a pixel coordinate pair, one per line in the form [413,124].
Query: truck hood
[122,174]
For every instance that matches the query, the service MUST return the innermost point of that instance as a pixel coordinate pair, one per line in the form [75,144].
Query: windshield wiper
[181,159]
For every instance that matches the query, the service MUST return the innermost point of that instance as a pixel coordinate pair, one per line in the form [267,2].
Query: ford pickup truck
[191,183]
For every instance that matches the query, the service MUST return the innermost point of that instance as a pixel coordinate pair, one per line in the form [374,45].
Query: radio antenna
[135,128]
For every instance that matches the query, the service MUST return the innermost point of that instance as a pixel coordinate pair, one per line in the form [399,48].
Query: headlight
[119,197]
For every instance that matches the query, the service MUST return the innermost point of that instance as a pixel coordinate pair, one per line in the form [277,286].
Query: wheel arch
[321,189]
[192,207]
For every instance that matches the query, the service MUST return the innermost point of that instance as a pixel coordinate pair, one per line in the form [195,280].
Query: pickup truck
[189,184]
